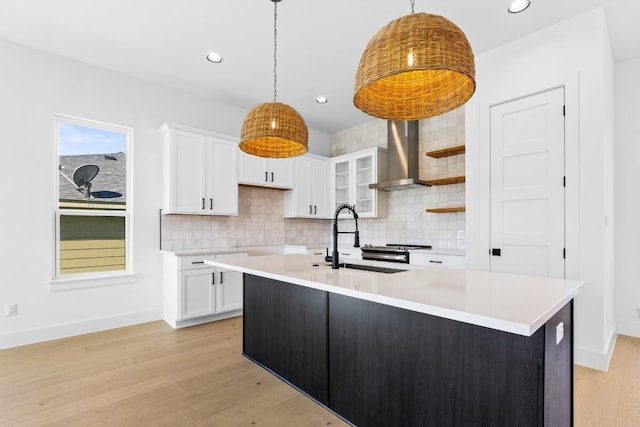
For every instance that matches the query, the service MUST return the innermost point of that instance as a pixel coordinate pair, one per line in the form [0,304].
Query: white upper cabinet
[310,195]
[254,170]
[350,178]
[200,172]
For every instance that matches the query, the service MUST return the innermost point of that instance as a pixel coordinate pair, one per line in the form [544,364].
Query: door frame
[479,205]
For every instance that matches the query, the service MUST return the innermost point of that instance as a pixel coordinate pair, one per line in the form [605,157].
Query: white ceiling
[319,41]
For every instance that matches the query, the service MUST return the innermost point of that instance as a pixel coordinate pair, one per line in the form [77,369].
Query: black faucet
[356,242]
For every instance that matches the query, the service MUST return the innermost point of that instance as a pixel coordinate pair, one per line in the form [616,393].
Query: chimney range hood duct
[402,157]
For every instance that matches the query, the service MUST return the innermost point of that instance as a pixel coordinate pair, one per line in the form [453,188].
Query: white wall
[627,197]
[574,54]
[34,86]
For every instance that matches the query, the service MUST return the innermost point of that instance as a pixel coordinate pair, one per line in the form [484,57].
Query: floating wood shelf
[447,210]
[446,181]
[446,152]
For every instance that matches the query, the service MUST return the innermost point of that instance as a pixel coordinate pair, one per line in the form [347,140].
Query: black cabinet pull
[495,251]
[310,210]
[213,278]
[197,262]
[203,203]
[315,209]
[435,262]
[220,278]
[271,176]
[266,176]
[211,203]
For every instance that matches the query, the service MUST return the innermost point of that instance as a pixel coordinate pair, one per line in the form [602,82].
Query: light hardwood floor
[151,375]
[612,398]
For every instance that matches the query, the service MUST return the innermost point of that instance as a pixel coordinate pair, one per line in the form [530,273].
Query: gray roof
[110,179]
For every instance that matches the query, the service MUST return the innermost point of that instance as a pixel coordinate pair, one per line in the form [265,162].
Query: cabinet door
[280,173]
[187,173]
[222,179]
[365,174]
[197,293]
[252,169]
[228,291]
[342,182]
[298,201]
[310,195]
[319,184]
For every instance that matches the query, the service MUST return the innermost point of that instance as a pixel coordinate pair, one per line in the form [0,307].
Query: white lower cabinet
[437,260]
[197,293]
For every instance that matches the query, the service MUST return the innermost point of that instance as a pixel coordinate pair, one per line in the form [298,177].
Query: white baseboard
[631,329]
[63,330]
[200,320]
[593,359]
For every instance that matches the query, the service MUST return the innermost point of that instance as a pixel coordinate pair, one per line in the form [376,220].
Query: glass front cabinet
[351,175]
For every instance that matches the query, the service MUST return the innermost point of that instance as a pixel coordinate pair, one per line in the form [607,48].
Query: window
[93,200]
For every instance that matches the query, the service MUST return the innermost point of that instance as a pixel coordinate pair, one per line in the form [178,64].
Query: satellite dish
[82,177]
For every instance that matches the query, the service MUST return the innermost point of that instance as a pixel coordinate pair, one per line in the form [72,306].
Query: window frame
[99,278]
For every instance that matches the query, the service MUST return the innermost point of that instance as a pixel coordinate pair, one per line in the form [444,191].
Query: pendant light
[274,129]
[415,67]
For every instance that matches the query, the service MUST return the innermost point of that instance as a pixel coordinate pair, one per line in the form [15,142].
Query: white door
[527,185]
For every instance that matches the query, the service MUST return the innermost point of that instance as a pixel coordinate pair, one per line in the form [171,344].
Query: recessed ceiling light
[321,100]
[214,57]
[518,6]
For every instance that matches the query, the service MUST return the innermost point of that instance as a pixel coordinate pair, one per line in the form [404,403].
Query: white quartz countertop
[507,302]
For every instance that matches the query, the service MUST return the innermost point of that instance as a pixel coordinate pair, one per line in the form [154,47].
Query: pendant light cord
[275,49]
[413,3]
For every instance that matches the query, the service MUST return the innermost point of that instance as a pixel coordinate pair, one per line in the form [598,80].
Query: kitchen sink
[374,268]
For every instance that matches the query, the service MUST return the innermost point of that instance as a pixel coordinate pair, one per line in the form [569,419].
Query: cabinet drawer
[436,260]
[192,262]
[349,252]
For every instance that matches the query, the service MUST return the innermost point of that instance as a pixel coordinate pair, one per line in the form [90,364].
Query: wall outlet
[559,332]
[11,310]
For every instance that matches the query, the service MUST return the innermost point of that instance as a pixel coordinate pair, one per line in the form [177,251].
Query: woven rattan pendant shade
[273,129]
[415,67]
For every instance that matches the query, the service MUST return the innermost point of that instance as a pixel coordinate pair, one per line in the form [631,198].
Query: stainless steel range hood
[403,148]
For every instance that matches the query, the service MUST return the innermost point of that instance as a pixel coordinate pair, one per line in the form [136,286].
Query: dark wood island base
[378,365]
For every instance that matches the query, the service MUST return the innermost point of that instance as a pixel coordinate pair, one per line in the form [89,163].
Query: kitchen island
[423,347]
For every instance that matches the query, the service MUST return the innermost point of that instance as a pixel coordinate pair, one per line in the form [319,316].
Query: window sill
[90,282]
